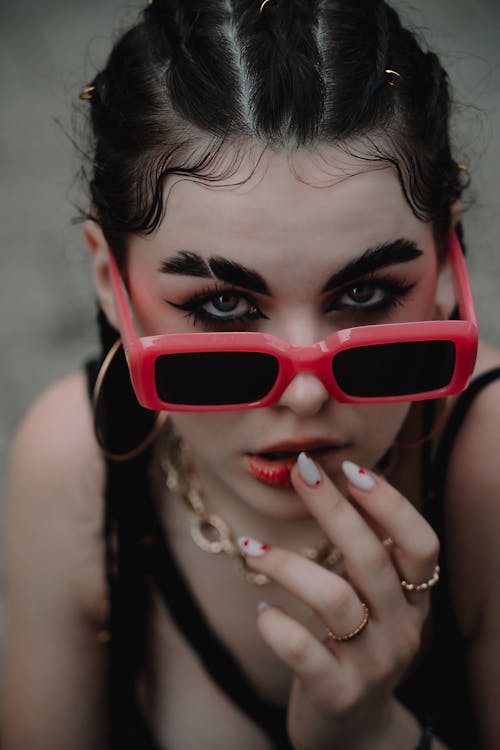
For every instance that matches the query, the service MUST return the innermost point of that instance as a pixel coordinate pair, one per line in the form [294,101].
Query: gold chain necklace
[212,534]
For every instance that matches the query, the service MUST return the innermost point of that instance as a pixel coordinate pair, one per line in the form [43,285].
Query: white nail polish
[261,607]
[308,470]
[251,547]
[357,476]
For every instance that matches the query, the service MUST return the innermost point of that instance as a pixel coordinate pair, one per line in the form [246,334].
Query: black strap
[212,653]
[444,671]
[455,422]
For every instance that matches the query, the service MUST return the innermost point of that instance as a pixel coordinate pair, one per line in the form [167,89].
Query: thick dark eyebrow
[374,258]
[188,263]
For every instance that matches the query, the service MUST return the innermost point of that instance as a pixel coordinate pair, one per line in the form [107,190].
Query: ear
[445,300]
[99,249]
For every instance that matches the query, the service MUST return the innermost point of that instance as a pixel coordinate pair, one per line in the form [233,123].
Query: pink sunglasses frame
[142,352]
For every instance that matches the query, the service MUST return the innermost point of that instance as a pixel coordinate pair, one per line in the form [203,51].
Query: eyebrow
[187,263]
[374,258]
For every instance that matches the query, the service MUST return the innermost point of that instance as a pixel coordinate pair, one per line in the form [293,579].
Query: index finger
[368,565]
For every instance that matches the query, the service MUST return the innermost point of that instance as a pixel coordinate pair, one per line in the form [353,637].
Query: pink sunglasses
[365,364]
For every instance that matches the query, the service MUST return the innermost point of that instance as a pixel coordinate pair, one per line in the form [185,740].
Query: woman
[282,173]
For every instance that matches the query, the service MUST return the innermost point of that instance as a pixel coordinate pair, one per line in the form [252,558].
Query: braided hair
[193,77]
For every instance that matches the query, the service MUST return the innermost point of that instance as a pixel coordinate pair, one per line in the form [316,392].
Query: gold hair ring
[418,587]
[465,169]
[262,7]
[353,633]
[394,76]
[87,92]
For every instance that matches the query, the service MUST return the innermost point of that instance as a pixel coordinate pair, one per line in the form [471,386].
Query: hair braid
[126,495]
[282,58]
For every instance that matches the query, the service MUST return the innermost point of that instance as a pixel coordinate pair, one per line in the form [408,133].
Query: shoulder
[55,592]
[55,491]
[472,503]
[57,420]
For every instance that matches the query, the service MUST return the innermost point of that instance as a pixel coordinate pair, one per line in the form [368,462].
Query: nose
[305,395]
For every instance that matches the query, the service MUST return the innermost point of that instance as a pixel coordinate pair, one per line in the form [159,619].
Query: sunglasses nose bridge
[307,359]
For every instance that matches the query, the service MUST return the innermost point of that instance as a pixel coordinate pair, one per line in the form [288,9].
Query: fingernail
[357,476]
[261,607]
[251,547]
[308,470]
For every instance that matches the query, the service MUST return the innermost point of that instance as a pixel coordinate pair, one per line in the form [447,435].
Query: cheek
[209,434]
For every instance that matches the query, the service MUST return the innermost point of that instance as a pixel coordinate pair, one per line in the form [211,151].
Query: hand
[342,691]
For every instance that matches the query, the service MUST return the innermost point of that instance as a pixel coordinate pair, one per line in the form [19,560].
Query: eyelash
[395,292]
[193,308]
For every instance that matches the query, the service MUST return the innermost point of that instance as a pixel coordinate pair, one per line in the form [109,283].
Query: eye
[370,296]
[215,308]
[364,293]
[226,304]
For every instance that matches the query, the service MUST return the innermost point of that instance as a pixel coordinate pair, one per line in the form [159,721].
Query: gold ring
[353,633]
[422,586]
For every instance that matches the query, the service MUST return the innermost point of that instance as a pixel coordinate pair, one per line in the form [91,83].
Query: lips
[273,464]
[274,472]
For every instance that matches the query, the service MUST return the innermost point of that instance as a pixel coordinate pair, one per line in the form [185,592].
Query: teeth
[280,455]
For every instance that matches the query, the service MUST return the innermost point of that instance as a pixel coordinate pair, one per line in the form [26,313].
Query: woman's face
[257,257]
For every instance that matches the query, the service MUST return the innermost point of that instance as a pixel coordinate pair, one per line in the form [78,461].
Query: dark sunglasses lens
[215,378]
[398,369]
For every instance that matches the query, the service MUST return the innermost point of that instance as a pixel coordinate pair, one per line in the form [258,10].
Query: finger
[368,564]
[416,545]
[330,596]
[295,645]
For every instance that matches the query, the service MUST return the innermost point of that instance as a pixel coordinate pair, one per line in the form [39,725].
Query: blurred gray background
[48,51]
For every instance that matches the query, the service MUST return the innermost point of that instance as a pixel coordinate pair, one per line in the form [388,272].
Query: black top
[436,690]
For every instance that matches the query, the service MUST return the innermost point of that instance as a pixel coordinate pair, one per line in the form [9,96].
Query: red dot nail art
[251,547]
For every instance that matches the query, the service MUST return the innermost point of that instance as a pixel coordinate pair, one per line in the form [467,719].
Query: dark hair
[193,77]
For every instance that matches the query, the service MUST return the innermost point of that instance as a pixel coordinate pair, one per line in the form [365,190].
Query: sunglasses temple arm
[127,331]
[462,283]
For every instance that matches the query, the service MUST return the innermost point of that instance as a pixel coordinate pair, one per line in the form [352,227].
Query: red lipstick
[272,465]
[275,472]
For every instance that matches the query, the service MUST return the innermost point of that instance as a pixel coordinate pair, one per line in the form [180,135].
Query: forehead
[288,203]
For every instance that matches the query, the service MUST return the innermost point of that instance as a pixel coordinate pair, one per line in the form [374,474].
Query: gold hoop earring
[160,420]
